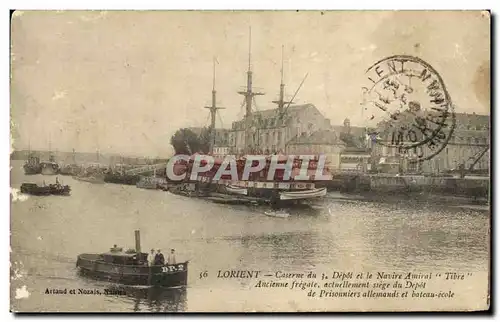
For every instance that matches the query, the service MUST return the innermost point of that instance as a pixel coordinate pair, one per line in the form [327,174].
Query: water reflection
[48,234]
[294,249]
[415,236]
[154,299]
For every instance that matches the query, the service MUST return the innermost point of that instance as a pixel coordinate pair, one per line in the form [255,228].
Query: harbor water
[47,234]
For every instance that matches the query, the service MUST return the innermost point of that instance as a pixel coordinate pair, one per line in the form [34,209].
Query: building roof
[327,137]
[465,121]
[271,117]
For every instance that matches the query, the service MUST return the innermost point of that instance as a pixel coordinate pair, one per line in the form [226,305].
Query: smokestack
[137,241]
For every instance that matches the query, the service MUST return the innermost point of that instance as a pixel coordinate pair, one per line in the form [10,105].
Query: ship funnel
[137,241]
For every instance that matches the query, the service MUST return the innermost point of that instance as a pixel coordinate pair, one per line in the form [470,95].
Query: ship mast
[281,102]
[51,157]
[249,94]
[213,111]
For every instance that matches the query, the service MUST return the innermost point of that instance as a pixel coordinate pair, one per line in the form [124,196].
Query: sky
[125,81]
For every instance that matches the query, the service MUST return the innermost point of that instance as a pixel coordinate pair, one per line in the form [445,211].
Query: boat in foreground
[131,268]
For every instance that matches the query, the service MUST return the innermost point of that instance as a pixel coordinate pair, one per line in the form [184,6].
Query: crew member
[159,258]
[171,257]
[151,257]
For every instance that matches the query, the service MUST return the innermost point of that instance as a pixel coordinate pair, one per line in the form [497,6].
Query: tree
[205,139]
[185,141]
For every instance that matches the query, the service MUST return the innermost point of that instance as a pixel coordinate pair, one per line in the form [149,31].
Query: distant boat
[49,167]
[305,194]
[150,182]
[32,166]
[51,189]
[236,190]
[147,183]
[119,178]
[279,214]
[70,170]
[91,179]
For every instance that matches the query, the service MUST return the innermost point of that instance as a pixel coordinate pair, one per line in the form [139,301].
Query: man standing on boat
[151,257]
[171,257]
[159,258]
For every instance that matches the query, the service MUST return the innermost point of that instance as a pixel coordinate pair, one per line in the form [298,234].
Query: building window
[279,138]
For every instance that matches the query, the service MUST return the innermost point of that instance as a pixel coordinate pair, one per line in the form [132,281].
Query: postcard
[250,161]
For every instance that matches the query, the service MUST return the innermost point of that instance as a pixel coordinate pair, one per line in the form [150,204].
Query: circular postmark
[408,107]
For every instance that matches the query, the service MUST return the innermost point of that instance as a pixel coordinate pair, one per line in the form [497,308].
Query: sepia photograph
[250,161]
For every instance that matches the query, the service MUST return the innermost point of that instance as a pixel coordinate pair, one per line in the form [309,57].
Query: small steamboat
[44,190]
[132,268]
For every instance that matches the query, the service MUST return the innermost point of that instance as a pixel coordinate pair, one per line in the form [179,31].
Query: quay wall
[473,187]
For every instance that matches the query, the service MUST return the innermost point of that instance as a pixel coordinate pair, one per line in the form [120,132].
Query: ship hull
[121,179]
[71,170]
[93,180]
[52,189]
[164,276]
[302,195]
[33,189]
[32,170]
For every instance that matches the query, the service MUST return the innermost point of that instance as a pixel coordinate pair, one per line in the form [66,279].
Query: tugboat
[43,190]
[131,268]
[34,189]
[59,189]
